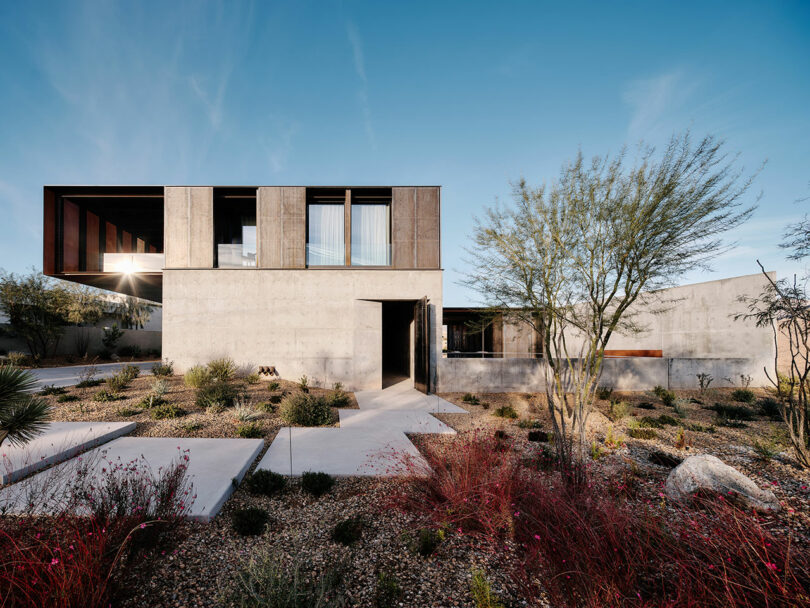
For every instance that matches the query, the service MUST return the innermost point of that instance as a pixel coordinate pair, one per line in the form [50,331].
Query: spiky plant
[22,415]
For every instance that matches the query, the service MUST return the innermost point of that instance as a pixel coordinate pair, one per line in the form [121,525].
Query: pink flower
[54,561]
[771,566]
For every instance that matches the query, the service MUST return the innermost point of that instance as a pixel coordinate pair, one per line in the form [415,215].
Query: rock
[706,472]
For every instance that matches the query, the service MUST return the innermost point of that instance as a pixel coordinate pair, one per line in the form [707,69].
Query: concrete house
[342,284]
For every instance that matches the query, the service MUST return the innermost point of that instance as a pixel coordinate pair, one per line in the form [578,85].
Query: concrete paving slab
[406,421]
[340,451]
[212,467]
[60,441]
[69,375]
[405,399]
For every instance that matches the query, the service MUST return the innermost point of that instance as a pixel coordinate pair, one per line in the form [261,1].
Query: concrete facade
[326,324]
[692,326]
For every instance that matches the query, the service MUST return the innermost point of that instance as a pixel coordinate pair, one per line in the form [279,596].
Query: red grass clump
[589,546]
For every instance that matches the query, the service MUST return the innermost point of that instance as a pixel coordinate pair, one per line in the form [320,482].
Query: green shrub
[770,408]
[642,433]
[130,372]
[743,395]
[303,383]
[252,378]
[338,397]
[604,392]
[52,390]
[273,386]
[130,350]
[190,427]
[733,412]
[732,423]
[481,592]
[18,359]
[699,428]
[317,484]
[265,406]
[163,369]
[151,400]
[426,541]
[646,405]
[505,411]
[197,377]
[106,395]
[222,394]
[305,409]
[223,369]
[250,521]
[89,383]
[167,411]
[666,420]
[266,483]
[348,531]
[275,399]
[387,591]
[471,399]
[530,424]
[765,450]
[648,422]
[126,412]
[250,430]
[117,383]
[618,410]
[67,398]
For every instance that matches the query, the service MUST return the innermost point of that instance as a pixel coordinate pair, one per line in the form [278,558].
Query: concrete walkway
[59,441]
[215,468]
[69,375]
[370,441]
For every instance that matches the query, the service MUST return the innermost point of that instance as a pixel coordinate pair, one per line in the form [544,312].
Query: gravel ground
[201,568]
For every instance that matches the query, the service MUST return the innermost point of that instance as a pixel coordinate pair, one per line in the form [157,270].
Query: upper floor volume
[122,238]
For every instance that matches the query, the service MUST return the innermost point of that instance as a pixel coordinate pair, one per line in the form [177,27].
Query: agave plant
[22,414]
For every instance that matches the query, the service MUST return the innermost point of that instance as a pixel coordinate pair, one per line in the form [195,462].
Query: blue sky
[462,94]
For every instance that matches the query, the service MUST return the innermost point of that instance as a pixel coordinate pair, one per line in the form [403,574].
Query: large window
[371,229]
[235,228]
[325,237]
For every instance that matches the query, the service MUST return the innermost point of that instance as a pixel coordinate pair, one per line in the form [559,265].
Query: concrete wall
[632,374]
[326,324]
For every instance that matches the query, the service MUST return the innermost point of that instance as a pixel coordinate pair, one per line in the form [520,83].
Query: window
[371,229]
[234,228]
[325,239]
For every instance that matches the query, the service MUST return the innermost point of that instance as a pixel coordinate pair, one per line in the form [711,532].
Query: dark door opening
[396,342]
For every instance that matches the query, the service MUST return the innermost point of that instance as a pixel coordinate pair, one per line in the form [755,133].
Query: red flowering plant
[77,524]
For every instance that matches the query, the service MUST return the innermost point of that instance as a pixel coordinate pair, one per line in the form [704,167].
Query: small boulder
[706,472]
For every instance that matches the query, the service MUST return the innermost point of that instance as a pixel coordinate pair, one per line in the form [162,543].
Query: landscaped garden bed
[492,525]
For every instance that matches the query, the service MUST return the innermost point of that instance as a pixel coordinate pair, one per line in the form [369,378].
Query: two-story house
[341,284]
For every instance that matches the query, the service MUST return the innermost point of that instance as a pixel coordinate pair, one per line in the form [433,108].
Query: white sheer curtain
[370,230]
[326,245]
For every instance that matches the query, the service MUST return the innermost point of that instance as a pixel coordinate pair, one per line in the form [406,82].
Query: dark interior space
[82,223]
[472,334]
[396,341]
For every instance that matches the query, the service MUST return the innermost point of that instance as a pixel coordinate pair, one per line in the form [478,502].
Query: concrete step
[406,421]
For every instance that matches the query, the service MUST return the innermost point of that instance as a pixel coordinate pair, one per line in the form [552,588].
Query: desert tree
[570,259]
[784,306]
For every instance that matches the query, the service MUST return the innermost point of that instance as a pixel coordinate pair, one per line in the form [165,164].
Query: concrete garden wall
[145,339]
[528,375]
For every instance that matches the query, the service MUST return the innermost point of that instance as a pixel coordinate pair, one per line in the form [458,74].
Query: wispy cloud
[278,145]
[657,102]
[213,103]
[360,69]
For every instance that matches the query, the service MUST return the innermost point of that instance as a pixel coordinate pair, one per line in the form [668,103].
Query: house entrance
[397,332]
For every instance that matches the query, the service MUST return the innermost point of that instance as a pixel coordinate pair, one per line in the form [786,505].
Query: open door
[421,331]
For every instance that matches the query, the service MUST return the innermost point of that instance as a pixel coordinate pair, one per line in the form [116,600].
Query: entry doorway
[397,340]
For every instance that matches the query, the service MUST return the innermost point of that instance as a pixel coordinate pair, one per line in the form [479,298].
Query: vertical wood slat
[70,237]
[126,244]
[49,233]
[110,238]
[347,227]
[91,246]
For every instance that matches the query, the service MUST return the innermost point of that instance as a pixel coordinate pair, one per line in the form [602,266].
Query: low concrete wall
[146,340]
[528,375]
